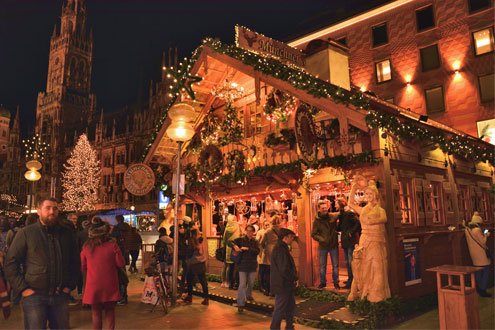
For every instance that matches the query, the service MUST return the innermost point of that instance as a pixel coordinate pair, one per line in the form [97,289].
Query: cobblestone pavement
[137,315]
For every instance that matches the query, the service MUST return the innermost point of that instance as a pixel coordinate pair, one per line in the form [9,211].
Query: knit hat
[476,219]
[98,228]
[285,232]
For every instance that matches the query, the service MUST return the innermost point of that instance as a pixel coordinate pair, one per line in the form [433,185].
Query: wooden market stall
[271,136]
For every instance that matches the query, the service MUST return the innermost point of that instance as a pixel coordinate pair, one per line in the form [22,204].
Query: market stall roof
[216,62]
[215,65]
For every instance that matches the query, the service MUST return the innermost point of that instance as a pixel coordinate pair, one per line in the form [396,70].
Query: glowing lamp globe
[32,175]
[34,165]
[180,131]
[182,112]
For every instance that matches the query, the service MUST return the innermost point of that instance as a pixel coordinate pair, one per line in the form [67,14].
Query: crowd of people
[44,259]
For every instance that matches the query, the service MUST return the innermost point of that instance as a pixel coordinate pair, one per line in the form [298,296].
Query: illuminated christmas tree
[81,177]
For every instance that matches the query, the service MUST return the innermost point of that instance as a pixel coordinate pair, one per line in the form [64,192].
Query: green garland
[295,76]
[235,164]
[231,126]
[182,82]
[410,130]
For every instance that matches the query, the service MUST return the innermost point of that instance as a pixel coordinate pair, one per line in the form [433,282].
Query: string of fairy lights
[402,128]
[452,144]
[35,147]
[182,80]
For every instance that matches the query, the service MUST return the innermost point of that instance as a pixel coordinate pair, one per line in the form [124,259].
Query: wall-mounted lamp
[456,66]
[408,79]
[363,89]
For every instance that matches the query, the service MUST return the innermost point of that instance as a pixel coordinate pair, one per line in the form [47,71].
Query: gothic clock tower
[67,105]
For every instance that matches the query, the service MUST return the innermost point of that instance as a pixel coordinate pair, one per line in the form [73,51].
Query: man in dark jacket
[348,227]
[325,233]
[283,280]
[47,254]
[121,233]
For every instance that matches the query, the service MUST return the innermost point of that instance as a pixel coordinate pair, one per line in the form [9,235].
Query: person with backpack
[267,244]
[163,249]
[196,266]
[120,233]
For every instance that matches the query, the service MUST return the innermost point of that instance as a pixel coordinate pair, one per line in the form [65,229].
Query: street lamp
[32,175]
[180,130]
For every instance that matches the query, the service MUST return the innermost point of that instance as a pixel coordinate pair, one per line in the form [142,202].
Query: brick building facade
[434,57]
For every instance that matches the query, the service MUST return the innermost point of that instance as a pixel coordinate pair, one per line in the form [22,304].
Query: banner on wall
[412,265]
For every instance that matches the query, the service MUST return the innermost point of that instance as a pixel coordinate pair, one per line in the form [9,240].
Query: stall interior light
[264,193]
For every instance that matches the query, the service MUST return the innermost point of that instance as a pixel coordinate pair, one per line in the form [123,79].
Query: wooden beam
[355,116]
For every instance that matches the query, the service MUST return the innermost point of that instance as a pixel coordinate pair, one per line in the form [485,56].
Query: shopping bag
[150,294]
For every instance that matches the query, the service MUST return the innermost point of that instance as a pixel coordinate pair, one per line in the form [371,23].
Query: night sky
[130,36]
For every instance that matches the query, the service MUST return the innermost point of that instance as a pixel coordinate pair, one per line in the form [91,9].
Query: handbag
[220,254]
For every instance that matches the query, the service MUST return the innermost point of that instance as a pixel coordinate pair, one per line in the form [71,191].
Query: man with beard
[325,233]
[42,264]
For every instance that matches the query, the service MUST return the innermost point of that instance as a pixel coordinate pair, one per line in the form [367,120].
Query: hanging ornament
[254,205]
[228,91]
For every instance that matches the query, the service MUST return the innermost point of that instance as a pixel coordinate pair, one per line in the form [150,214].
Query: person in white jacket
[476,241]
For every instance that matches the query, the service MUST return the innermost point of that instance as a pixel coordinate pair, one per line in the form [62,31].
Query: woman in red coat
[101,258]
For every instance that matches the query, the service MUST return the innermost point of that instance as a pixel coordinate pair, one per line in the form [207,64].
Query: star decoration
[182,79]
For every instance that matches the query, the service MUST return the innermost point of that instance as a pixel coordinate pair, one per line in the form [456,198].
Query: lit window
[405,195]
[483,41]
[486,87]
[425,18]
[383,71]
[429,58]
[379,34]
[434,100]
[436,202]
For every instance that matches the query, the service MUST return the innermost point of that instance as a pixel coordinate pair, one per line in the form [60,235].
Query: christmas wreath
[210,163]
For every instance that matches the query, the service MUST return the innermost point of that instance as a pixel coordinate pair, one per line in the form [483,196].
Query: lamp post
[32,175]
[180,130]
